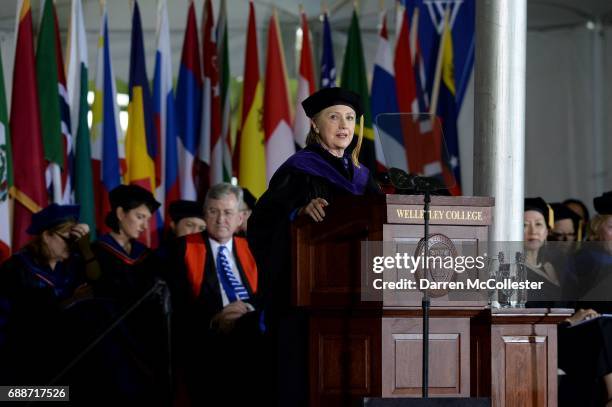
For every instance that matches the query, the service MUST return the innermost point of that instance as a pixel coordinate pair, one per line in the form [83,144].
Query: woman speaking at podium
[304,186]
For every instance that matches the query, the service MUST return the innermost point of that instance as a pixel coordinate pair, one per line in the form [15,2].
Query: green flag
[354,78]
[77,87]
[48,96]
[6,173]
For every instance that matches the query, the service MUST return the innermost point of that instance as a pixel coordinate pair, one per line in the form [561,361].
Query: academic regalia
[310,173]
[32,331]
[33,298]
[215,363]
[585,350]
[181,209]
[125,276]
[131,362]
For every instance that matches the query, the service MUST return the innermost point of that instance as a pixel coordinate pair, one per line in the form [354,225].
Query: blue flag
[328,66]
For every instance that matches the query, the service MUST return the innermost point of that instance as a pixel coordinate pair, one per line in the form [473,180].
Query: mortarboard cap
[540,205]
[123,195]
[327,97]
[51,216]
[563,212]
[603,203]
[248,198]
[185,209]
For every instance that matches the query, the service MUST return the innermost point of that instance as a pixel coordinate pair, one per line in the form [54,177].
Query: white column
[499,112]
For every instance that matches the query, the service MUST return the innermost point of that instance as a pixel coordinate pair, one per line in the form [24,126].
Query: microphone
[403,180]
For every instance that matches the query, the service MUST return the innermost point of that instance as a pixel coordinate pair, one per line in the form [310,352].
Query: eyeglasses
[67,239]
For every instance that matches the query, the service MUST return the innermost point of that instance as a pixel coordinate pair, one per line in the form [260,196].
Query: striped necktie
[233,288]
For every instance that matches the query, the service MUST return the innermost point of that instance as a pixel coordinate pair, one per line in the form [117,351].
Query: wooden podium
[373,348]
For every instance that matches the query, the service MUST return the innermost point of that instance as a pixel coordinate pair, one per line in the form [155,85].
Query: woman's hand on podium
[314,209]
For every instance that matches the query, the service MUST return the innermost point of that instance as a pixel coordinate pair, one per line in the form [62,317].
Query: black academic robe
[130,363]
[33,330]
[269,225]
[291,188]
[584,350]
[214,364]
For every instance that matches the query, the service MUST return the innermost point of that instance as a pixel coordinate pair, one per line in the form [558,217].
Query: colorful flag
[306,85]
[447,111]
[462,32]
[211,143]
[6,174]
[383,99]
[164,114]
[29,188]
[277,111]
[224,83]
[78,85]
[67,178]
[107,150]
[354,78]
[328,64]
[141,144]
[406,91]
[54,118]
[250,148]
[189,107]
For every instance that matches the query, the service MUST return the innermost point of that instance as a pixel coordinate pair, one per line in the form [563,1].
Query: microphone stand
[425,303]
[425,185]
[160,288]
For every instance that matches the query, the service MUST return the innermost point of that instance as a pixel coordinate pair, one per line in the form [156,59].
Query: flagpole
[438,75]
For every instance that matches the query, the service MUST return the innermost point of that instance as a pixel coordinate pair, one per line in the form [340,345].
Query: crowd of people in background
[206,318]
[571,255]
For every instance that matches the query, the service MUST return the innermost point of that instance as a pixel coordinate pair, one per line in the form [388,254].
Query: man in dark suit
[218,325]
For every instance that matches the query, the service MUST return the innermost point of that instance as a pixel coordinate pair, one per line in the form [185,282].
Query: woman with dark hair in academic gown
[134,352]
[37,284]
[304,186]
[583,341]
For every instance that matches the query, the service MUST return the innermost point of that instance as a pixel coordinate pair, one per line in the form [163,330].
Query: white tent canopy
[568,139]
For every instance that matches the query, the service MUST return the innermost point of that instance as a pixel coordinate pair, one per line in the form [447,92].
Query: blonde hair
[314,138]
[595,226]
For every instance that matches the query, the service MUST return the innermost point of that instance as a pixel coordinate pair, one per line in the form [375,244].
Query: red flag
[306,85]
[277,112]
[211,149]
[28,163]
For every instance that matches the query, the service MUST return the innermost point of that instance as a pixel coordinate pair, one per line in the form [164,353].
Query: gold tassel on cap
[551,217]
[357,150]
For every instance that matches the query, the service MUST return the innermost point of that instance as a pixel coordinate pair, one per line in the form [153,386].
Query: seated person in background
[538,220]
[187,217]
[579,208]
[215,301]
[563,238]
[132,363]
[585,351]
[594,260]
[36,284]
[567,227]
[128,267]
